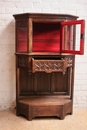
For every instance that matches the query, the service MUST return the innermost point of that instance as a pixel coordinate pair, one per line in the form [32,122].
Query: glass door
[72,37]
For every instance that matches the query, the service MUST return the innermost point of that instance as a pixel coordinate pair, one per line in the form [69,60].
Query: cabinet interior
[46,37]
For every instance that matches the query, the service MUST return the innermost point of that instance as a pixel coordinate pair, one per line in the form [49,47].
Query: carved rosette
[22,61]
[48,66]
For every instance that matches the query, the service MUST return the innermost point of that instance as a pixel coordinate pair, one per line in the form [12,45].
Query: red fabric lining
[22,46]
[46,37]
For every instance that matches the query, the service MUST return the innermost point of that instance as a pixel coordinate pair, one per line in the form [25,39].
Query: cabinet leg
[29,118]
[71,113]
[17,112]
[29,113]
[62,117]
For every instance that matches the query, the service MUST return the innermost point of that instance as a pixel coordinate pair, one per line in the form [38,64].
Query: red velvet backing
[46,37]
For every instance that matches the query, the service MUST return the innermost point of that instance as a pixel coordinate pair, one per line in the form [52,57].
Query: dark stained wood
[59,82]
[40,85]
[30,33]
[45,106]
[23,79]
[46,91]
[44,15]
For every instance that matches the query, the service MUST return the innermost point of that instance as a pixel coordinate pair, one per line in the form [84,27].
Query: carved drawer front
[48,66]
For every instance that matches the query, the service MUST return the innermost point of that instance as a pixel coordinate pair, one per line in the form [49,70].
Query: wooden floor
[77,121]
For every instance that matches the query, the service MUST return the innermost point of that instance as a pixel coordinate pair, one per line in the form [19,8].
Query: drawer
[48,66]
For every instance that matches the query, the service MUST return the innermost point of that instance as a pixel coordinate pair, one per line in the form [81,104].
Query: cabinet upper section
[49,33]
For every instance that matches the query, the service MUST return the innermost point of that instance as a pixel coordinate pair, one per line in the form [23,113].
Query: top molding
[44,15]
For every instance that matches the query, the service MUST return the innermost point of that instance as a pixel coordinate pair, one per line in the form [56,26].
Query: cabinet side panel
[26,81]
[30,83]
[59,82]
[41,82]
[23,79]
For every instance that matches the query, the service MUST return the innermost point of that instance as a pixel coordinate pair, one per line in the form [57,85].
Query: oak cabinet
[45,49]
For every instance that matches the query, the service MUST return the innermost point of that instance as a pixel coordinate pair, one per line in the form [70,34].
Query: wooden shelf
[44,100]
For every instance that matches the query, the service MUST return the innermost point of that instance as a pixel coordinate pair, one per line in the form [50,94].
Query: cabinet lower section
[44,85]
[41,106]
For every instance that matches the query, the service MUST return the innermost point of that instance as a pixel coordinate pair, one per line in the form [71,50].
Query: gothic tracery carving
[48,66]
[69,61]
[22,61]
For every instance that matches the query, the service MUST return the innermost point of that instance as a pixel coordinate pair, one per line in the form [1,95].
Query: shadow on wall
[7,65]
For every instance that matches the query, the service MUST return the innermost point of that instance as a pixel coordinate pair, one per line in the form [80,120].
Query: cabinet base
[43,106]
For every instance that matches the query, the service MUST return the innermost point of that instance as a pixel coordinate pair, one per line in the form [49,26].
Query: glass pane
[78,34]
[68,33]
[22,36]
[71,41]
[72,37]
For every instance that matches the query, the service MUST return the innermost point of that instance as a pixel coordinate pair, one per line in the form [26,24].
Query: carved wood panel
[22,61]
[48,66]
[69,61]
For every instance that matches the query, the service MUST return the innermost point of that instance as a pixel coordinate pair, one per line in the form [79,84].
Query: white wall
[7,45]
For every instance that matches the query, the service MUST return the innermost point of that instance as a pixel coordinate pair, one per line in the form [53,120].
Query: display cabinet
[45,49]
